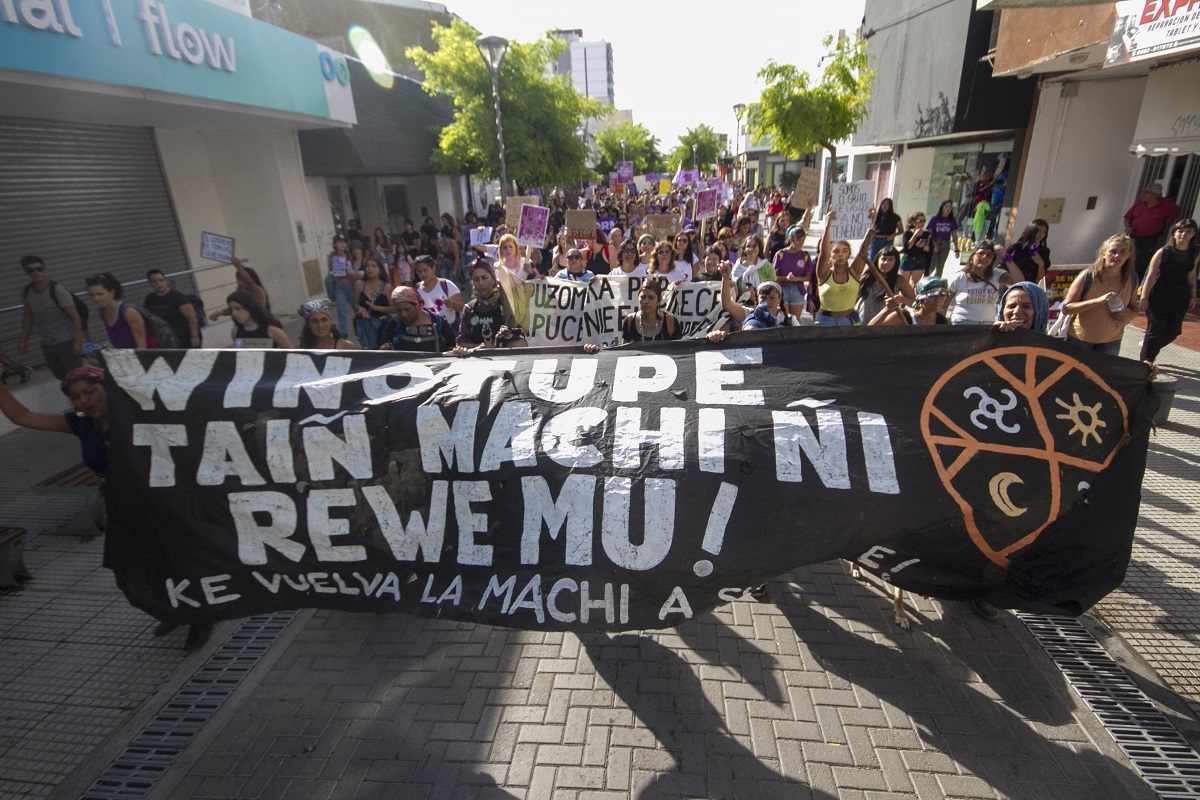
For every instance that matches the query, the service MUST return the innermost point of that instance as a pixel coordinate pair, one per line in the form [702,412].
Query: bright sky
[679,64]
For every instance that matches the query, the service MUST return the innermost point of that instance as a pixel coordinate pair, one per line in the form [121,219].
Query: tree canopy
[541,115]
[801,115]
[640,147]
[708,148]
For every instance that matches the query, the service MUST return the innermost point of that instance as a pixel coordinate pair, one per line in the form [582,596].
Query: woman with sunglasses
[975,292]
[666,267]
[628,264]
[916,243]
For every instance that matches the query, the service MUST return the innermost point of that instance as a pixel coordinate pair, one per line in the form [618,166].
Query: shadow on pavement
[1008,740]
[668,698]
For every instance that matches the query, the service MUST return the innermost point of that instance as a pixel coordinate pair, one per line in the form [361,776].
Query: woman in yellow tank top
[838,278]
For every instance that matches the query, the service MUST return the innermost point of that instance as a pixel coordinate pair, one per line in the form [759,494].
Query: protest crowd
[459,287]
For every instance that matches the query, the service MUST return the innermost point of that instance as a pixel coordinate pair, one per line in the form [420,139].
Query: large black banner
[633,488]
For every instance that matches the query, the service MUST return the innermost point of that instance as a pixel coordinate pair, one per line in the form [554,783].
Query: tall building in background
[589,64]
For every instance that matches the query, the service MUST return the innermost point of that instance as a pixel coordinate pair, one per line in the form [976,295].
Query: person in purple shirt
[793,269]
[943,226]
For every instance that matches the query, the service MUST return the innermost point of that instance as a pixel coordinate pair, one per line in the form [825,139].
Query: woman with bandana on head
[84,387]
[319,332]
[1023,305]
[929,306]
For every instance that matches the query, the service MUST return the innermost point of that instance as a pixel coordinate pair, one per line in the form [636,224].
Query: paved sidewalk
[813,694]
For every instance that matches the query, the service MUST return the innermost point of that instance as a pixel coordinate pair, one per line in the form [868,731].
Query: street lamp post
[493,48]
[622,149]
[738,110]
[693,156]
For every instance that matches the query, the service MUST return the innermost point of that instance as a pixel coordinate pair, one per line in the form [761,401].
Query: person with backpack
[125,325]
[175,308]
[59,317]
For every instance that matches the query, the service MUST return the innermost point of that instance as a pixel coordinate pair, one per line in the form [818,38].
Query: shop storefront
[129,129]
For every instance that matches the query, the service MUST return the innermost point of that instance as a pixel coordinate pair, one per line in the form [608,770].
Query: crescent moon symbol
[998,486]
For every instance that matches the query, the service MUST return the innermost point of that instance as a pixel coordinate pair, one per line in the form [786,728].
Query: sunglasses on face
[575,258]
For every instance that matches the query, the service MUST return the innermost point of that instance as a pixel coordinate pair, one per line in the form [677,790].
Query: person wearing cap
[928,308]
[84,387]
[1145,221]
[794,267]
[768,310]
[413,328]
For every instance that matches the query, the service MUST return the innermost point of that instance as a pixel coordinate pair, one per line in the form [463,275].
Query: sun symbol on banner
[1075,411]
[1010,449]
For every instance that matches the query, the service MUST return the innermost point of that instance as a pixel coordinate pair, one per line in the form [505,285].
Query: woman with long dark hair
[373,296]
[942,228]
[253,325]
[1170,288]
[1028,258]
[887,226]
[871,294]
[319,332]
[124,323]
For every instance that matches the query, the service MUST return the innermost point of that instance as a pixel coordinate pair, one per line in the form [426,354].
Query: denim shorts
[792,295]
[828,321]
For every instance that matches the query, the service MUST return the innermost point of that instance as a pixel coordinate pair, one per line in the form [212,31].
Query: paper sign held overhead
[531,231]
[807,187]
[216,247]
[852,203]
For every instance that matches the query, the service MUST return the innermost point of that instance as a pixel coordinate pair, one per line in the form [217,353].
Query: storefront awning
[1169,122]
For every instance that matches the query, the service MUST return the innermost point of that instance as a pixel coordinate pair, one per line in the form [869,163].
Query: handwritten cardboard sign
[808,187]
[216,247]
[660,226]
[581,224]
[512,207]
[531,232]
[852,203]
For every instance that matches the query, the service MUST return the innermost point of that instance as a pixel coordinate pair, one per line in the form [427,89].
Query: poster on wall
[1152,29]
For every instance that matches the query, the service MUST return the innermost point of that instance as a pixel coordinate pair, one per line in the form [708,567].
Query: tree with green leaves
[801,115]
[542,115]
[708,148]
[640,147]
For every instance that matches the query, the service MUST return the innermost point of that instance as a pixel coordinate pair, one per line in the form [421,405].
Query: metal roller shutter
[87,199]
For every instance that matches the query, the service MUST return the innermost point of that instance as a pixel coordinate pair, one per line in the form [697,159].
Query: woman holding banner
[485,321]
[928,308]
[84,387]
[751,268]
[650,323]
[872,294]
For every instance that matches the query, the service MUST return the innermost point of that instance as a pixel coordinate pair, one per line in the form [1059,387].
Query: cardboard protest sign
[852,203]
[512,208]
[808,187]
[660,226]
[706,204]
[581,224]
[634,488]
[532,229]
[556,312]
[215,247]
[624,172]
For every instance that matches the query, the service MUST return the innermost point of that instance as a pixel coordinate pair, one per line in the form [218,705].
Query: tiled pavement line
[1156,610]
[814,694]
